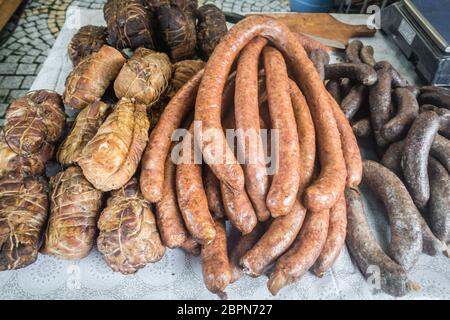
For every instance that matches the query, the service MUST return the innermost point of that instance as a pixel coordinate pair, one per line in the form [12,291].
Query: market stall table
[179,276]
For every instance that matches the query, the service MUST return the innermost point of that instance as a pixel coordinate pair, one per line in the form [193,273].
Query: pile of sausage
[294,219]
[410,128]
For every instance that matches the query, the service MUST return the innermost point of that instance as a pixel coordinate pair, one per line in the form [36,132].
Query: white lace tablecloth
[178,276]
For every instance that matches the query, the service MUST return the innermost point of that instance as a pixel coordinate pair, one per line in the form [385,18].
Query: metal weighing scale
[421,28]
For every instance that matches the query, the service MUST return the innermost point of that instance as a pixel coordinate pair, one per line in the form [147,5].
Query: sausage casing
[408,109]
[285,181]
[213,194]
[275,241]
[439,207]
[238,209]
[306,136]
[303,253]
[406,233]
[152,175]
[244,243]
[191,195]
[246,111]
[367,252]
[415,156]
[215,264]
[380,102]
[168,215]
[337,230]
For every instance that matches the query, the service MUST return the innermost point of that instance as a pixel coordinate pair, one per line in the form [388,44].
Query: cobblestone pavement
[26,40]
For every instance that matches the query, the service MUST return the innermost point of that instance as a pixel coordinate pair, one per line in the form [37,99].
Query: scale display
[421,29]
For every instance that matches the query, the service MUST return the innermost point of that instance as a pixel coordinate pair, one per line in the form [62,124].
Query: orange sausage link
[275,241]
[244,243]
[306,136]
[303,253]
[192,197]
[285,182]
[238,209]
[212,189]
[215,264]
[246,112]
[335,238]
[168,215]
[152,175]
[352,155]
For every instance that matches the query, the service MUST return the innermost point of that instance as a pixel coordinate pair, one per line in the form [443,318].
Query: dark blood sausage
[439,207]
[168,216]
[362,128]
[346,84]
[440,149]
[432,246]
[152,175]
[337,229]
[430,107]
[406,233]
[444,128]
[247,120]
[191,194]
[444,115]
[353,50]
[435,98]
[367,253]
[414,89]
[215,264]
[434,89]
[360,72]
[238,209]
[325,191]
[393,156]
[320,58]
[213,194]
[244,243]
[291,266]
[407,110]
[285,182]
[333,87]
[306,135]
[397,79]
[391,160]
[352,155]
[353,100]
[366,55]
[275,241]
[415,156]
[380,102]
